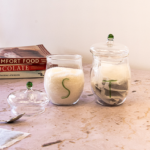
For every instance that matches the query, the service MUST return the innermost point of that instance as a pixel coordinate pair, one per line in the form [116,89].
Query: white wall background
[72,26]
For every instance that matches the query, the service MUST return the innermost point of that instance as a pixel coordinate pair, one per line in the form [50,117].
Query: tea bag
[112,82]
[8,137]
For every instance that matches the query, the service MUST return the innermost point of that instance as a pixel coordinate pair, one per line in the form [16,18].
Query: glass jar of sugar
[64,79]
[110,74]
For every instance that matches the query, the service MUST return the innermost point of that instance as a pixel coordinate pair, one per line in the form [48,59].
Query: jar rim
[64,57]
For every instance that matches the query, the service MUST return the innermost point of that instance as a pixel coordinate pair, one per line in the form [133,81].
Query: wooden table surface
[86,125]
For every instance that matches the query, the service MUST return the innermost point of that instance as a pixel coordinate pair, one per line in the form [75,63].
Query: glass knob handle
[110,37]
[29,85]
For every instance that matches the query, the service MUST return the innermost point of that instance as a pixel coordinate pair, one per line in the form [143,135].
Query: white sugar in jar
[64,79]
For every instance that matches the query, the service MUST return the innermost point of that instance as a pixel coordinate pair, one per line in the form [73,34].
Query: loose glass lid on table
[28,101]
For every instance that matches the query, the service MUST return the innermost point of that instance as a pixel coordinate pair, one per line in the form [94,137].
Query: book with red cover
[21,67]
[24,55]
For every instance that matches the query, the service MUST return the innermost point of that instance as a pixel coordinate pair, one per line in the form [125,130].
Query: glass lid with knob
[28,101]
[109,48]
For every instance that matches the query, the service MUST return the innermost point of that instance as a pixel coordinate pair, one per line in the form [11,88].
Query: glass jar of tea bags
[110,74]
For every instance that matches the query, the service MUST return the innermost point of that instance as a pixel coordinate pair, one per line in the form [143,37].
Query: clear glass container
[64,79]
[28,101]
[110,73]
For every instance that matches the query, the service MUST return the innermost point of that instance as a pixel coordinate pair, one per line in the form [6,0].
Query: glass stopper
[110,37]
[29,85]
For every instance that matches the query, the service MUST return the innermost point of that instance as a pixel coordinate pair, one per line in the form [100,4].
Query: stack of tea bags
[111,82]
